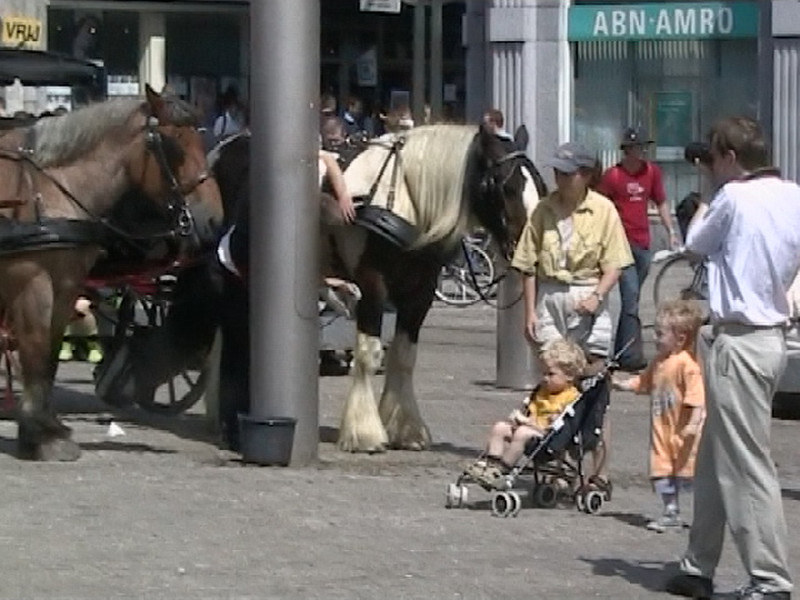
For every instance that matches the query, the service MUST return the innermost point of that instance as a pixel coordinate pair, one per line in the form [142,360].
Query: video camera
[698,153]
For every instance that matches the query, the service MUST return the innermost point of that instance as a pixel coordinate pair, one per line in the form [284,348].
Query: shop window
[110,37]
[675,89]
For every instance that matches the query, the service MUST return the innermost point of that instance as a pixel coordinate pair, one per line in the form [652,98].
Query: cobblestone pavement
[161,513]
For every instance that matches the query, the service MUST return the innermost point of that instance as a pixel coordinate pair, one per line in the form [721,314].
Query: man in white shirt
[751,237]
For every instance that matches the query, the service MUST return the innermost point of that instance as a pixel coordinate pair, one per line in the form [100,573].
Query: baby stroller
[555,461]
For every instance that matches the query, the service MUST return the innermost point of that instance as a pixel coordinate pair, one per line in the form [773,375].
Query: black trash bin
[266,441]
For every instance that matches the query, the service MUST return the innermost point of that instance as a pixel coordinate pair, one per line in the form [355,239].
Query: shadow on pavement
[637,520]
[125,447]
[790,494]
[648,575]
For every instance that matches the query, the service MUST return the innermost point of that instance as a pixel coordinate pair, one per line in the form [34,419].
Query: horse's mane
[434,164]
[59,140]
[430,183]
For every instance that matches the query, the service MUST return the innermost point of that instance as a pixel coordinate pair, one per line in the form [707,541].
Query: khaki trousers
[736,483]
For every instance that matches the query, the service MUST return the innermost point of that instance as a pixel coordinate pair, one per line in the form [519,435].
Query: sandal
[601,484]
[475,470]
[492,478]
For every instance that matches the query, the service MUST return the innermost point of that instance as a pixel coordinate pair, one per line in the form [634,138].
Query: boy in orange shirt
[563,362]
[675,385]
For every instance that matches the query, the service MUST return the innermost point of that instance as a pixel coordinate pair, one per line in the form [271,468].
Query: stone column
[527,46]
[474,39]
[152,51]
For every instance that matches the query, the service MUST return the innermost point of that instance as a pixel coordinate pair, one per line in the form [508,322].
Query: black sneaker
[632,367]
[690,586]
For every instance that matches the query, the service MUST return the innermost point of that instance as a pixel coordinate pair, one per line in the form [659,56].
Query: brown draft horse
[62,178]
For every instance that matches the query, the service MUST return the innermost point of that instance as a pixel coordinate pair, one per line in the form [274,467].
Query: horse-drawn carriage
[131,286]
[111,201]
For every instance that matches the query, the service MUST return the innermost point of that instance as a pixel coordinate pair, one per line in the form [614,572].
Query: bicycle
[469,278]
[682,276]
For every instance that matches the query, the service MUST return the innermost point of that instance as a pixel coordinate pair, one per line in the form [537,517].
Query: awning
[36,68]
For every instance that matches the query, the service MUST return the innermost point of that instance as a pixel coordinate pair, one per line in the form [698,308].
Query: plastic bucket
[266,441]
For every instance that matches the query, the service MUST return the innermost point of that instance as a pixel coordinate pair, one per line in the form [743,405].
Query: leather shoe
[690,586]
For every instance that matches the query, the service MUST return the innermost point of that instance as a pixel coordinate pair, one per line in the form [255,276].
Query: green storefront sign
[663,21]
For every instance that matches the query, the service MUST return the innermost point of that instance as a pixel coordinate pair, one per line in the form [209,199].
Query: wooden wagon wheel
[181,390]
[151,382]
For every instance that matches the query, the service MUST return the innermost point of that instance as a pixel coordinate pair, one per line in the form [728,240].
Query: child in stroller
[557,424]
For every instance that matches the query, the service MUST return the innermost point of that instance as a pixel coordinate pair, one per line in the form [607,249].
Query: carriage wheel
[139,315]
[182,392]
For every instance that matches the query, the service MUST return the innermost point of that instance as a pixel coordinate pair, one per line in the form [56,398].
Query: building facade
[578,70]
[198,48]
[671,68]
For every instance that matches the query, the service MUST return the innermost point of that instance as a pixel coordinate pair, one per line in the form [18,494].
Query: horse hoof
[415,446]
[353,446]
[59,450]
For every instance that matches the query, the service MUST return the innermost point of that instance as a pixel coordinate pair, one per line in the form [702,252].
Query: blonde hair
[567,355]
[682,317]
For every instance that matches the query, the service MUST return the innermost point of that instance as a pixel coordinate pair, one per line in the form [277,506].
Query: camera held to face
[698,153]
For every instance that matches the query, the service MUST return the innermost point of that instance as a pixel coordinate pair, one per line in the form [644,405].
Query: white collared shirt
[751,234]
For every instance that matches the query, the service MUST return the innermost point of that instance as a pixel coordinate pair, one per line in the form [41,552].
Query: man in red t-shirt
[631,184]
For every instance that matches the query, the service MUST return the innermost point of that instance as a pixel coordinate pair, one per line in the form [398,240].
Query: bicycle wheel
[682,278]
[456,284]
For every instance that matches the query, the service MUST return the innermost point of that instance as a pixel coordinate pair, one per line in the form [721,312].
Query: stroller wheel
[580,502]
[516,503]
[456,496]
[593,502]
[502,504]
[546,495]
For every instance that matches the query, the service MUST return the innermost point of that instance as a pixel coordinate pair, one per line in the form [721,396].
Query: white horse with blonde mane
[422,191]
[444,180]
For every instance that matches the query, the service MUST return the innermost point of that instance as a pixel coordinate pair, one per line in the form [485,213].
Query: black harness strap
[394,150]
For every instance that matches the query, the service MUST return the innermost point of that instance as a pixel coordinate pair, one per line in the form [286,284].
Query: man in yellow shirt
[570,254]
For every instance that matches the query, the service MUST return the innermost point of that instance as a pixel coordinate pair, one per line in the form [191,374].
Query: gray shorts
[555,311]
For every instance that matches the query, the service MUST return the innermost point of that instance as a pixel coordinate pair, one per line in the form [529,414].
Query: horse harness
[19,235]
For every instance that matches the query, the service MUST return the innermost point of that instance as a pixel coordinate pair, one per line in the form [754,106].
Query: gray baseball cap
[570,157]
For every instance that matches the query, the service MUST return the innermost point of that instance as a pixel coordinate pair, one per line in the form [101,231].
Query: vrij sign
[663,21]
[21,32]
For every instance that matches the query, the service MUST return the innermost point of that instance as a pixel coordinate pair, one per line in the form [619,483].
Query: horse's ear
[486,136]
[155,101]
[521,138]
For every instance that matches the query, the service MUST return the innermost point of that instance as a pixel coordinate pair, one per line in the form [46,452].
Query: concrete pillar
[418,67]
[284,215]
[152,51]
[766,58]
[474,39]
[526,40]
[436,59]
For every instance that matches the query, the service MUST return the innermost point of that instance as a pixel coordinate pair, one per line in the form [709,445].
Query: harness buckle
[184,224]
